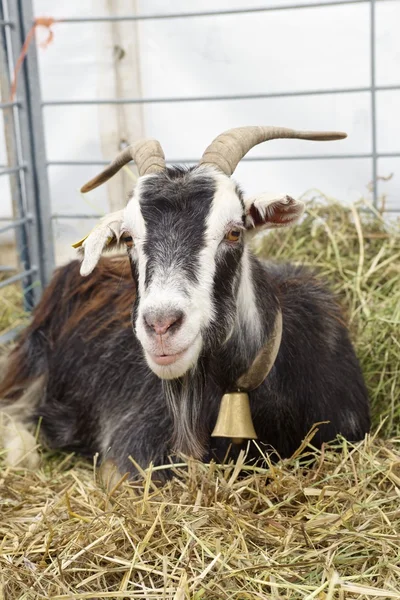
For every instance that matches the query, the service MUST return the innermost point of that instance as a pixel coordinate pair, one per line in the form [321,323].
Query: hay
[330,530]
[326,528]
[12,314]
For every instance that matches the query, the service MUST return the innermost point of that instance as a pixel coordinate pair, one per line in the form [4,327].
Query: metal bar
[388,154]
[12,147]
[15,224]
[100,163]
[8,104]
[28,241]
[382,88]
[214,13]
[298,157]
[77,163]
[5,268]
[4,23]
[37,147]
[17,277]
[10,125]
[11,170]
[76,216]
[373,106]
[9,336]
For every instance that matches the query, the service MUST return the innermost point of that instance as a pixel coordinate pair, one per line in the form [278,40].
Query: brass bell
[234,418]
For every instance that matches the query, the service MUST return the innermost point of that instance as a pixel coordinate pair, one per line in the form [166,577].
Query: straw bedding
[325,527]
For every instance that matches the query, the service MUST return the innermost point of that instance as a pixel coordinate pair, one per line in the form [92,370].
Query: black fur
[172,238]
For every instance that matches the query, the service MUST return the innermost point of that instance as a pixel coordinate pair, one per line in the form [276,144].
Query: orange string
[39,22]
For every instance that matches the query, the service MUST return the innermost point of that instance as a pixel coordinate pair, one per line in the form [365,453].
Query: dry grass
[325,528]
[12,313]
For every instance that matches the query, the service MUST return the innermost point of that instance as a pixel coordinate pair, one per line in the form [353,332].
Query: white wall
[289,50]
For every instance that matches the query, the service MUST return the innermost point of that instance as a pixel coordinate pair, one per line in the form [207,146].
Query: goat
[129,356]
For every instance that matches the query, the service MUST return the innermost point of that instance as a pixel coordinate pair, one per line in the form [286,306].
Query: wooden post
[119,77]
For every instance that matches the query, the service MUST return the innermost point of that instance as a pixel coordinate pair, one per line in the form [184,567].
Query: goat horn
[147,154]
[230,147]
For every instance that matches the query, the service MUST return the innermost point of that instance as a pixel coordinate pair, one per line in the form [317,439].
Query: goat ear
[271,210]
[104,235]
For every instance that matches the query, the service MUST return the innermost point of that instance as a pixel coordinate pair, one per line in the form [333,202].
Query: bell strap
[264,361]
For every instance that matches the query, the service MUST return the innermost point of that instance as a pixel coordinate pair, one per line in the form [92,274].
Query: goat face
[186,232]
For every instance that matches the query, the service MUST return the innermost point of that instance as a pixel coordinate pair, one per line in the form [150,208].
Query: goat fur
[83,371]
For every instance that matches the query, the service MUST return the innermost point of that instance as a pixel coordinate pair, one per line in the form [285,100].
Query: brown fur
[101,300]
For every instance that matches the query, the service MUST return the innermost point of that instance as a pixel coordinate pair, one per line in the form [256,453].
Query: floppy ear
[268,211]
[104,235]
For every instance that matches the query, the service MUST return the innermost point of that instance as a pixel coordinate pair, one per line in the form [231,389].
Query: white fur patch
[133,218]
[15,436]
[185,407]
[109,475]
[248,313]
[20,445]
[226,208]
[134,223]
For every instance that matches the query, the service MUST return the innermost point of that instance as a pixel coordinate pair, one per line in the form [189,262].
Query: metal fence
[26,168]
[27,164]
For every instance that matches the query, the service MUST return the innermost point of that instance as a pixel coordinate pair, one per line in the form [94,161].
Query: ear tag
[80,243]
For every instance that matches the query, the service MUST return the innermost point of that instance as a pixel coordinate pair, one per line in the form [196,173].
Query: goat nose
[161,323]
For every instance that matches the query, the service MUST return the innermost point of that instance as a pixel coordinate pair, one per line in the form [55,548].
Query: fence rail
[217,13]
[224,98]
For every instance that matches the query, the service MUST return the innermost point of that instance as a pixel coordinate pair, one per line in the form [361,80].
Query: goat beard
[185,402]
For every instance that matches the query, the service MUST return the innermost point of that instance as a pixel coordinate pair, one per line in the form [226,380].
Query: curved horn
[230,147]
[147,154]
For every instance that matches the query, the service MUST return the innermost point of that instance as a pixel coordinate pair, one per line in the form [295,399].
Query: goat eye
[233,235]
[128,241]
